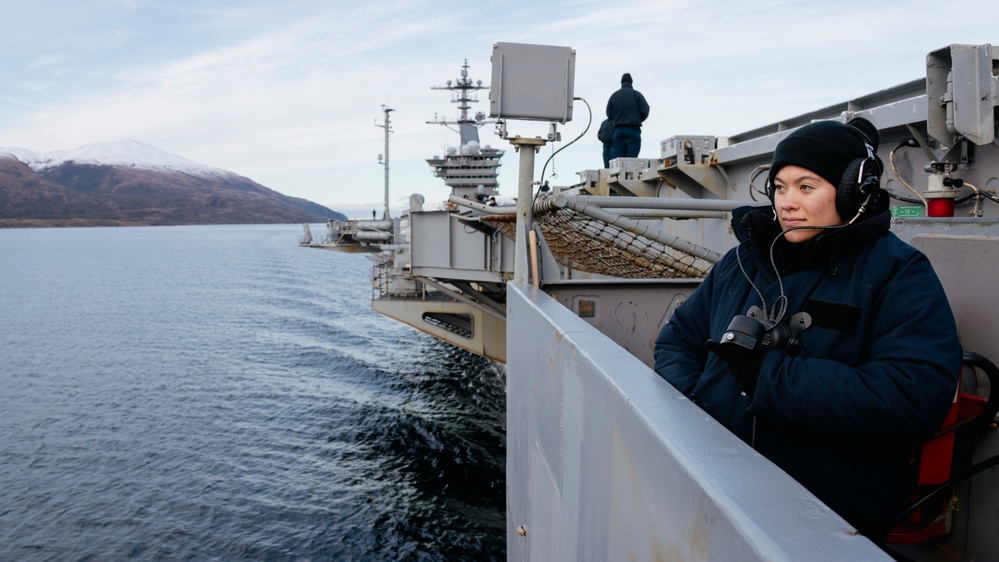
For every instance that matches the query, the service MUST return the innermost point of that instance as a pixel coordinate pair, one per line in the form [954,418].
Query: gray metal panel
[888,96]
[959,81]
[468,247]
[447,273]
[443,247]
[533,82]
[606,461]
[629,313]
[966,266]
[894,114]
[973,94]
[430,239]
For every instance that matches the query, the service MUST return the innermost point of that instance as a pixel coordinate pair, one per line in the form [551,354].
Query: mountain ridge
[133,183]
[127,153]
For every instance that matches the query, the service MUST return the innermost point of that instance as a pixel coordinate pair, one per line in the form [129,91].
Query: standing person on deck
[868,357]
[606,136]
[627,110]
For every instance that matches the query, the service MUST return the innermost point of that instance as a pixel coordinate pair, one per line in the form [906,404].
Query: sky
[290,94]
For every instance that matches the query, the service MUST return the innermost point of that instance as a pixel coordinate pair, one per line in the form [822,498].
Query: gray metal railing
[606,461]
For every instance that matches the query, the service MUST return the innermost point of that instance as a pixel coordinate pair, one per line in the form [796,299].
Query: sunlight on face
[803,198]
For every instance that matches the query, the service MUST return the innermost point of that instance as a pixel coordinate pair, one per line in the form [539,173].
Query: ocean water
[218,393]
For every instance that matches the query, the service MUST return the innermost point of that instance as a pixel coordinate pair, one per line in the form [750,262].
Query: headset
[760,328]
[860,185]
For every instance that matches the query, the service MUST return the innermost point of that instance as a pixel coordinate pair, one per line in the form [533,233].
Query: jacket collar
[757,227]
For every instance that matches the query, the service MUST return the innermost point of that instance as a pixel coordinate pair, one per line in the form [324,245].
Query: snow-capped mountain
[133,183]
[128,153]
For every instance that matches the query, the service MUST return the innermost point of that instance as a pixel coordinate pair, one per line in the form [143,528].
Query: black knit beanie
[826,148]
[626,78]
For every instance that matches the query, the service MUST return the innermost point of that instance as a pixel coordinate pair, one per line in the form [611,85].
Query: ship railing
[388,283]
[381,274]
[604,456]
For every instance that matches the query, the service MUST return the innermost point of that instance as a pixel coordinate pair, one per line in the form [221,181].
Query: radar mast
[470,169]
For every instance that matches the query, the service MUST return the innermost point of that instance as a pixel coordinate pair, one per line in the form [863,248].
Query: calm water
[218,393]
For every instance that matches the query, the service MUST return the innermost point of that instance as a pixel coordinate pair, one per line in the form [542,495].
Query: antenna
[387,125]
[534,83]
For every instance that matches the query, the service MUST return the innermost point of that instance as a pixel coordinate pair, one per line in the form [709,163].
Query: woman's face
[803,198]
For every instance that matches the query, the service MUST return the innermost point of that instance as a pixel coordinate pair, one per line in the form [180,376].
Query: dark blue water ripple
[216,393]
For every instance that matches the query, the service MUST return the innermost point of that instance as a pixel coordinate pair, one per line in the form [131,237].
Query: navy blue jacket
[876,373]
[627,107]
[606,132]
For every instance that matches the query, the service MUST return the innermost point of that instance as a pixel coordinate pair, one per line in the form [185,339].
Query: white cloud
[45,60]
[288,94]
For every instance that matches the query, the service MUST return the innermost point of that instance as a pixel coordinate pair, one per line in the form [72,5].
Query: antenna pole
[525,211]
[388,130]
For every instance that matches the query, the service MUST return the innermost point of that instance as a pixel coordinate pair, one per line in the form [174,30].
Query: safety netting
[584,243]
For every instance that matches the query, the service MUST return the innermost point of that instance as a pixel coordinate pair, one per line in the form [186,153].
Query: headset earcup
[848,198]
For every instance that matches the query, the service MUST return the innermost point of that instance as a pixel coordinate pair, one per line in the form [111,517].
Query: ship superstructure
[442,270]
[447,274]
[470,169]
